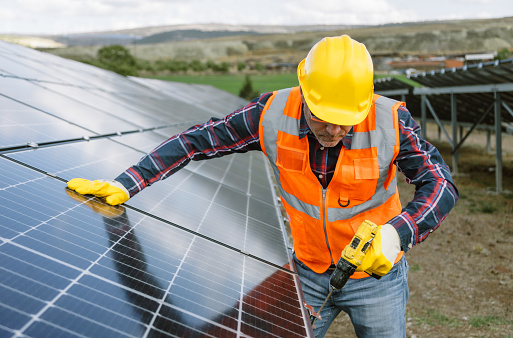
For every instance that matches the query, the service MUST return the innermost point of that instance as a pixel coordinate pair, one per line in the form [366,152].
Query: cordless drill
[353,254]
[352,257]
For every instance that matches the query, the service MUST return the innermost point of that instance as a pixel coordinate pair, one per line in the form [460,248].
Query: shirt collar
[304,129]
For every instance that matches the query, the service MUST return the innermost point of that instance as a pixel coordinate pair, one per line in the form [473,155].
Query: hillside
[457,37]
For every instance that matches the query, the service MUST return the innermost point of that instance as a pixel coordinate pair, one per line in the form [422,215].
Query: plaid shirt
[418,160]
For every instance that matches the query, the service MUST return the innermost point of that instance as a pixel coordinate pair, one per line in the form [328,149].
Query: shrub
[241,65]
[503,54]
[259,66]
[117,59]
[197,66]
[210,64]
[177,65]
[247,91]
[222,67]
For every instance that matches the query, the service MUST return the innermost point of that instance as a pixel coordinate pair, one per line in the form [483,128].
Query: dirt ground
[461,277]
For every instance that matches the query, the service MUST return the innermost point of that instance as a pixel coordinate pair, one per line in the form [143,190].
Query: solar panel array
[484,78]
[202,253]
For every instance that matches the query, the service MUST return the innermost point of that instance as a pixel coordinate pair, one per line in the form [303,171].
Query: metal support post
[488,139]
[423,118]
[454,123]
[498,143]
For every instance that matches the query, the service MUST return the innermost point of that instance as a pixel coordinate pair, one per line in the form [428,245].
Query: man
[335,148]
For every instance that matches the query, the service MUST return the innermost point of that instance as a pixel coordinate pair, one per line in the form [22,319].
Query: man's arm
[237,132]
[435,192]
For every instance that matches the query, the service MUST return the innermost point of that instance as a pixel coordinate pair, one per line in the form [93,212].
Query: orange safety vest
[323,221]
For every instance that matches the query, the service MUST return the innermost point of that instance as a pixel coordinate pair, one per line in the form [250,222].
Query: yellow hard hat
[336,79]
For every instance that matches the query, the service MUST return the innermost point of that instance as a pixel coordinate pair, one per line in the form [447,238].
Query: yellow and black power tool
[351,258]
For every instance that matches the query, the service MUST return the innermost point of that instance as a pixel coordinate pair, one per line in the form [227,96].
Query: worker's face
[328,134]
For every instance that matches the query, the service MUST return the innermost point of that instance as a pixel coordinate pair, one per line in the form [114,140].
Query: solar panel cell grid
[205,277]
[202,253]
[20,124]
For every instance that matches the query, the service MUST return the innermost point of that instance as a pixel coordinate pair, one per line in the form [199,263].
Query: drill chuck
[341,274]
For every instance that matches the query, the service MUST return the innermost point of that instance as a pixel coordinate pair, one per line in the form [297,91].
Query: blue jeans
[376,307]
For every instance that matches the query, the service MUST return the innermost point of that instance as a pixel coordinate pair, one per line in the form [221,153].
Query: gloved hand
[110,211]
[114,192]
[381,255]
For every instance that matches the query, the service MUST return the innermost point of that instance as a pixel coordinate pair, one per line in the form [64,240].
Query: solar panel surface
[202,253]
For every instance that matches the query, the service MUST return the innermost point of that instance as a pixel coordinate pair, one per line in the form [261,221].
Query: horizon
[187,25]
[55,17]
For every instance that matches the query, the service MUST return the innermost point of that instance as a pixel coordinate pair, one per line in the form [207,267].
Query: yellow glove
[381,255]
[114,192]
[110,211]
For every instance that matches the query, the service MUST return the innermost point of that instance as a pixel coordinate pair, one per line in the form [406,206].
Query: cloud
[345,12]
[73,16]
[480,2]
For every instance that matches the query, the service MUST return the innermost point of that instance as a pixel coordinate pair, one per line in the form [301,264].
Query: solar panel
[485,78]
[202,253]
[471,106]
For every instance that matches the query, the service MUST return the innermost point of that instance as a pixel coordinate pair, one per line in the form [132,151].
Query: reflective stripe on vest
[290,126]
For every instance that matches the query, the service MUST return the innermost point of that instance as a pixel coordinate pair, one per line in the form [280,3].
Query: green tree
[260,67]
[247,91]
[117,59]
[211,64]
[241,65]
[160,65]
[222,67]
[503,54]
[177,65]
[197,66]
[147,66]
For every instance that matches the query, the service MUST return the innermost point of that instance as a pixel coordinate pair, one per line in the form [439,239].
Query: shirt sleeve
[235,133]
[435,192]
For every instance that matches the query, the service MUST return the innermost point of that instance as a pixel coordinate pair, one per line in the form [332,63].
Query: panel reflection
[205,295]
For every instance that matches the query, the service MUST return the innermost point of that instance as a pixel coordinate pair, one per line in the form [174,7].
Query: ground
[461,277]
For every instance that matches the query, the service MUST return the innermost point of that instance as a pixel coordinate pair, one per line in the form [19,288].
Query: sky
[52,17]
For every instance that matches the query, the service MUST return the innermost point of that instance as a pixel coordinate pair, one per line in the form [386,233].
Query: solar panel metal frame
[478,96]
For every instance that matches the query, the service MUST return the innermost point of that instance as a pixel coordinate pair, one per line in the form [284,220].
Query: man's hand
[99,207]
[114,192]
[381,255]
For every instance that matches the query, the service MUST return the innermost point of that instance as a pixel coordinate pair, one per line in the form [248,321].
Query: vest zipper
[324,223]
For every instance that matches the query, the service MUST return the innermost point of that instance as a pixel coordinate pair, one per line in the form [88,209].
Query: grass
[480,321]
[261,82]
[435,317]
[488,208]
[233,83]
[415,268]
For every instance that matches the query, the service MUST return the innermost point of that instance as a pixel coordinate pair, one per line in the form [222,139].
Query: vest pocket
[291,159]
[360,182]
[366,168]
[299,237]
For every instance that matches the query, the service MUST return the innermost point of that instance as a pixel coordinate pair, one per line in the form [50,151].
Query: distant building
[478,58]
[427,64]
